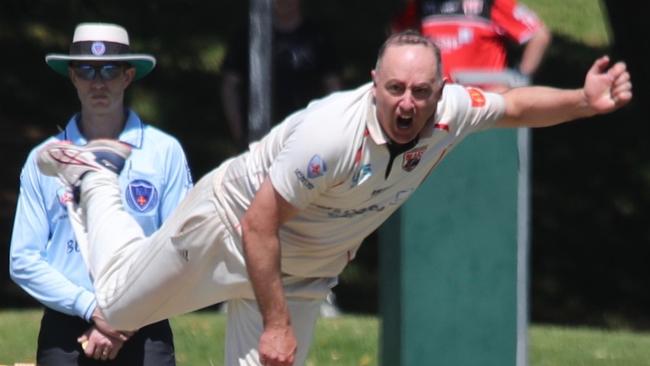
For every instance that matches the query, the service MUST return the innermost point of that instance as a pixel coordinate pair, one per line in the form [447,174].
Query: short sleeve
[471,109]
[312,160]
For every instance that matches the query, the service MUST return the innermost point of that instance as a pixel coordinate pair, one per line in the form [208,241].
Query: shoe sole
[59,154]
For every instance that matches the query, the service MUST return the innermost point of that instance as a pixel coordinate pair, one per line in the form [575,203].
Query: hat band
[98,48]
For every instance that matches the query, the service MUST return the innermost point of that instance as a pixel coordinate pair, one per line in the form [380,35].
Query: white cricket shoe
[70,162]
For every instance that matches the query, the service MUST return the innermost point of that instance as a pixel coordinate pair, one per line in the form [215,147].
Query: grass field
[584,21]
[351,340]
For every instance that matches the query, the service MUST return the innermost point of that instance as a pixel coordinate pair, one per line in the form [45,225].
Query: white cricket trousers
[191,262]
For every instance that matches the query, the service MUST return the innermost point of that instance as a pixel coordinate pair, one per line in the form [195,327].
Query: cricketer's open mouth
[404,122]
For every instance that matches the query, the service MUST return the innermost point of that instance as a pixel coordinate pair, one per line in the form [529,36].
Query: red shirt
[471,34]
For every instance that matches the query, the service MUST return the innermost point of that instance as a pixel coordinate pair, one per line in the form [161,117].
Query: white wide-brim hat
[101,42]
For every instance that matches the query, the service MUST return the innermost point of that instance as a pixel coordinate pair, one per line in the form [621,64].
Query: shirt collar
[132,133]
[372,123]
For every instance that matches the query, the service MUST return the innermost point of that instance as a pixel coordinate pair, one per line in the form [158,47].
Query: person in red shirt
[473,36]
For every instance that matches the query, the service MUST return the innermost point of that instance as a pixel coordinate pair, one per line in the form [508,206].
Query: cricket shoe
[71,162]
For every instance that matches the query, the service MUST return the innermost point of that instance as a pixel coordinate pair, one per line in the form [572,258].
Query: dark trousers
[152,345]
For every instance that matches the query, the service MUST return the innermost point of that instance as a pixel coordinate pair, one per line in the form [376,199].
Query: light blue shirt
[44,257]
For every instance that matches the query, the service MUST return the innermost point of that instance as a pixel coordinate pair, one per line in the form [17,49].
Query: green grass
[351,340]
[341,341]
[553,346]
[583,21]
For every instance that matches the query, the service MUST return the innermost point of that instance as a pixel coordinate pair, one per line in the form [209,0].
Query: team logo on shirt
[364,172]
[316,167]
[398,199]
[478,99]
[141,195]
[412,158]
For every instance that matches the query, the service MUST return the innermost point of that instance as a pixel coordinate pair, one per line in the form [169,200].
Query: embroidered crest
[412,158]
[98,48]
[141,195]
[316,167]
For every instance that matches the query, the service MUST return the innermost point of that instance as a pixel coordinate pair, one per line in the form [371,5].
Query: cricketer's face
[99,95]
[406,90]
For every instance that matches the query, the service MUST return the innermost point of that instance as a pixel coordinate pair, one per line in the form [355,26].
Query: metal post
[259,111]
[523,244]
[523,235]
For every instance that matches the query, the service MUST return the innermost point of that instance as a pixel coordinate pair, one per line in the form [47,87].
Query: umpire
[44,257]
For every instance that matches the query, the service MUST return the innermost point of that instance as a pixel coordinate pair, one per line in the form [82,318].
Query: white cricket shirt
[330,160]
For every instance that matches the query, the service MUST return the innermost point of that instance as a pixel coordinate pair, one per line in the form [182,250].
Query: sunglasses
[106,72]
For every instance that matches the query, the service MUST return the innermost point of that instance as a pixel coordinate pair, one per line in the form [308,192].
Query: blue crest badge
[141,195]
[98,48]
[316,167]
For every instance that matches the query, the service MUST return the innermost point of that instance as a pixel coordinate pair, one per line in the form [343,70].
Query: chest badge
[412,158]
[364,172]
[316,167]
[141,195]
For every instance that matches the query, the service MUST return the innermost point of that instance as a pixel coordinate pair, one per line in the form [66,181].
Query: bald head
[411,38]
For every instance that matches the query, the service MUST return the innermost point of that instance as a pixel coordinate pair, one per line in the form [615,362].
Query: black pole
[259,112]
